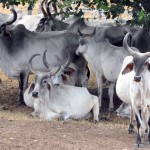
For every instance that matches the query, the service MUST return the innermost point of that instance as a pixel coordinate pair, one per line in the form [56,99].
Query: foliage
[113,8]
[6,3]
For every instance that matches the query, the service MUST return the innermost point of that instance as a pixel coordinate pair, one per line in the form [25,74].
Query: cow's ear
[48,86]
[148,66]
[69,71]
[1,84]
[31,88]
[128,68]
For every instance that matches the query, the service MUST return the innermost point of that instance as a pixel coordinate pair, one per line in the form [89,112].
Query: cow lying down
[60,101]
[123,110]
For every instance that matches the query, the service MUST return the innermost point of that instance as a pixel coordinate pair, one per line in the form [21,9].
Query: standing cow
[136,71]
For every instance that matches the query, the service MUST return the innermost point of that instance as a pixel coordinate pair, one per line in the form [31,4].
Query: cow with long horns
[18,44]
[61,101]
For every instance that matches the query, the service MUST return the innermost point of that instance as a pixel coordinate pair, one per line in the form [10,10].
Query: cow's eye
[145,64]
[82,42]
[44,81]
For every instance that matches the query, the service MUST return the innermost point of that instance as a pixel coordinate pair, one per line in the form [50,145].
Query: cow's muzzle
[137,78]
[35,94]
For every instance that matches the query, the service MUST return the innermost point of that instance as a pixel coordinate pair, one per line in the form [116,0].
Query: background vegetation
[139,9]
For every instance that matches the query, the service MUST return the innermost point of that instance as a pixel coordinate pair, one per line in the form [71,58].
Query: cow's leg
[148,121]
[111,94]
[95,110]
[138,141]
[64,116]
[100,87]
[23,84]
[131,126]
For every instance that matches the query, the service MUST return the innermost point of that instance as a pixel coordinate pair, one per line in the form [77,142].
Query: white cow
[123,86]
[138,71]
[62,101]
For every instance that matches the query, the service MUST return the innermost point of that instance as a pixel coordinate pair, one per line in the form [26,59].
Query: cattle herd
[58,52]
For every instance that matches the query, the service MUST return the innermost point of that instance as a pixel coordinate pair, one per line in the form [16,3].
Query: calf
[62,101]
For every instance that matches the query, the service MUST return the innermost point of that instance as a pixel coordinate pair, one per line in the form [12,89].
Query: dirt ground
[19,131]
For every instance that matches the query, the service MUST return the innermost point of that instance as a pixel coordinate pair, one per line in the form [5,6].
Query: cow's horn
[11,21]
[48,10]
[58,68]
[80,32]
[47,65]
[126,46]
[43,10]
[30,62]
[67,62]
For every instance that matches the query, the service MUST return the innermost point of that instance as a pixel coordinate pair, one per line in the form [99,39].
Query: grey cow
[19,44]
[105,60]
[62,101]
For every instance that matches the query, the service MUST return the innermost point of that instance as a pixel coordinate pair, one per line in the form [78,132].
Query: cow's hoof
[138,145]
[96,121]
[20,103]
[131,131]
[111,110]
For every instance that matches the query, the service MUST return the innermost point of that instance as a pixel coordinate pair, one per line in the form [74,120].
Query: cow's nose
[78,53]
[35,94]
[137,78]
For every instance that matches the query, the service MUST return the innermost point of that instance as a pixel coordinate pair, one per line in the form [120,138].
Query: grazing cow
[138,67]
[18,44]
[59,101]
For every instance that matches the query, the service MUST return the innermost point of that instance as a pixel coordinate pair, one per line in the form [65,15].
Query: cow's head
[140,62]
[47,23]
[84,41]
[67,73]
[42,79]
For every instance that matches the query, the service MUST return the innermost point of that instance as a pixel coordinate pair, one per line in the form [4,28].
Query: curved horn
[126,46]
[30,62]
[80,32]
[47,65]
[67,62]
[55,7]
[11,21]
[43,10]
[48,10]
[58,68]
